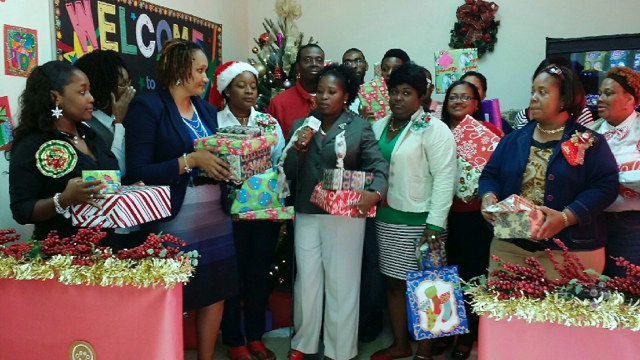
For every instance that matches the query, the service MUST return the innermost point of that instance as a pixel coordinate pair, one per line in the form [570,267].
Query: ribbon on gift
[478,14]
[512,204]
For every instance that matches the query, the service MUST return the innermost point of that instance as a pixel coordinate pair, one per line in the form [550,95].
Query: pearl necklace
[560,129]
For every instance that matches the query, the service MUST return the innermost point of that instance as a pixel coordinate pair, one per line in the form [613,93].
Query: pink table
[516,339]
[43,319]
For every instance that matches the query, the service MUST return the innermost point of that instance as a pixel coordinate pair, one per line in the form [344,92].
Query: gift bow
[288,9]
[478,14]
[619,133]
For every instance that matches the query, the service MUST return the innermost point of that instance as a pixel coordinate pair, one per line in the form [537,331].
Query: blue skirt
[203,225]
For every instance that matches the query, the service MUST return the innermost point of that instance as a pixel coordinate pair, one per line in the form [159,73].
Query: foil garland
[104,272]
[614,313]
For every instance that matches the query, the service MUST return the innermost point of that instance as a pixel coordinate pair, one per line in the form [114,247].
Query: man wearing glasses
[354,58]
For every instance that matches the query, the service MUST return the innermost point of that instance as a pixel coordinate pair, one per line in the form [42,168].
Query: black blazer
[156,137]
[306,169]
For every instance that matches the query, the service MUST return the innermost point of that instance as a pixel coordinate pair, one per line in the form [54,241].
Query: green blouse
[387,214]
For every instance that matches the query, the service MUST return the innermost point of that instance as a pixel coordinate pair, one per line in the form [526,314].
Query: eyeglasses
[357,62]
[463,98]
[552,69]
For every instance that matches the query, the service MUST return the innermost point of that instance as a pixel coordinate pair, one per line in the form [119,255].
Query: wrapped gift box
[280,213]
[246,166]
[240,132]
[374,97]
[516,218]
[491,112]
[435,306]
[257,193]
[451,65]
[474,142]
[340,179]
[337,202]
[133,205]
[50,320]
[236,146]
[468,180]
[111,177]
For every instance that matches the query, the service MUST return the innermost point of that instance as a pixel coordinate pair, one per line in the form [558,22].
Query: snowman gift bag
[435,307]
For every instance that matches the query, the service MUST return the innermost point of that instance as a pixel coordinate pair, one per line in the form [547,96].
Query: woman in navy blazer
[529,162]
[161,128]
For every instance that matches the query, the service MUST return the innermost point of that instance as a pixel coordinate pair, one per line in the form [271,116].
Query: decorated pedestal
[337,202]
[73,299]
[579,315]
[374,97]
[51,320]
[133,205]
[516,339]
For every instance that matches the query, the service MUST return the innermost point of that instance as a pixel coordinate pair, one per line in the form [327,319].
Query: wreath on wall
[476,26]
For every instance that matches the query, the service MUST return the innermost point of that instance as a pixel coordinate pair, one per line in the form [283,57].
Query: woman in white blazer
[421,153]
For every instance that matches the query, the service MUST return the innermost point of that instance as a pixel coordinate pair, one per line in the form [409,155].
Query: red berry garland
[152,247]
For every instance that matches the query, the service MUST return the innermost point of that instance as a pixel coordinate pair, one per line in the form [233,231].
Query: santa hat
[223,76]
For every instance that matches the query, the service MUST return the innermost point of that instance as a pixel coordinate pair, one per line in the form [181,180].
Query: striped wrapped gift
[134,205]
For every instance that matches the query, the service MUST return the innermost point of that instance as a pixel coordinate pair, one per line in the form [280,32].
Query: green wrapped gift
[257,193]
[111,177]
[280,213]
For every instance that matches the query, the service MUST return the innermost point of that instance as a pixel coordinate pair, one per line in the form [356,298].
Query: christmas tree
[276,51]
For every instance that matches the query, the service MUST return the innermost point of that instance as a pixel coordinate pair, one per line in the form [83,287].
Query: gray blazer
[305,169]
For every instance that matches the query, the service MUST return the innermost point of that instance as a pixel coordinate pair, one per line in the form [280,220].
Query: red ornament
[487,38]
[263,39]
[465,29]
[277,74]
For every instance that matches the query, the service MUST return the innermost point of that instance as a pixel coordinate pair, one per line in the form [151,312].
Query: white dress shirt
[226,118]
[117,147]
[625,151]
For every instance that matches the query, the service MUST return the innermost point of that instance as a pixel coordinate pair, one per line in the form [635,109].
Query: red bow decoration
[477,14]
[619,133]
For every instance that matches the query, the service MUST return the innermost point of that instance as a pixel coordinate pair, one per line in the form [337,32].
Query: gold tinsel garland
[104,272]
[614,313]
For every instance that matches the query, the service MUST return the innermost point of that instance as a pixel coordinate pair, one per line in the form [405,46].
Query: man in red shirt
[296,102]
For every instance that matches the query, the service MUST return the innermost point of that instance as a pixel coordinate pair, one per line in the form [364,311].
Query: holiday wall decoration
[476,26]
[6,124]
[20,49]
[136,30]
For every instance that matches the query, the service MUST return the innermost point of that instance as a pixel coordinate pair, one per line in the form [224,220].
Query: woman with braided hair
[161,128]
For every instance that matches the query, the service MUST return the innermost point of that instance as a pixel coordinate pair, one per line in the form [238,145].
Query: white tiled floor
[280,346]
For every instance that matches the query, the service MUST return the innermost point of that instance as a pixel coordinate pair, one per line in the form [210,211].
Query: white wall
[232,14]
[422,27]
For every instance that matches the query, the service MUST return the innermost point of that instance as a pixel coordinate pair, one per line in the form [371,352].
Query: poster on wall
[6,124]
[135,29]
[452,64]
[20,49]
